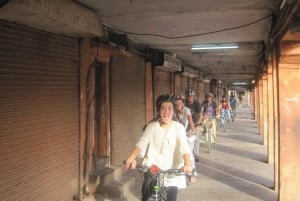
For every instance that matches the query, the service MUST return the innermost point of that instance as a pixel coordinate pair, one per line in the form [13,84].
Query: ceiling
[173,26]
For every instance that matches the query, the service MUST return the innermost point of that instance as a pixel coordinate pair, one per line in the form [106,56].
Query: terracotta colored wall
[289,110]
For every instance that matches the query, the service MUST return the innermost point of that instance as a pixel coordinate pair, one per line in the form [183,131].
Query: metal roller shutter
[184,84]
[162,82]
[39,106]
[178,86]
[128,108]
[201,91]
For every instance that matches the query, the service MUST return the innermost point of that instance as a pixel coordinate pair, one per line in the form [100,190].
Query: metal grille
[39,106]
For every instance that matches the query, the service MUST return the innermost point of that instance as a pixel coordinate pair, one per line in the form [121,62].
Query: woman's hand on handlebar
[189,134]
[187,169]
[130,163]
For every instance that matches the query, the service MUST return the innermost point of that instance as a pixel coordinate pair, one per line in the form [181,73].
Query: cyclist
[225,109]
[210,111]
[195,108]
[184,116]
[163,143]
[232,102]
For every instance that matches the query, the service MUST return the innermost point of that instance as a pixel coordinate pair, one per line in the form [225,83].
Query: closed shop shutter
[201,92]
[184,83]
[178,86]
[162,82]
[128,111]
[191,82]
[39,106]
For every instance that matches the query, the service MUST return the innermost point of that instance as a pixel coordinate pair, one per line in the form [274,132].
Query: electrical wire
[187,36]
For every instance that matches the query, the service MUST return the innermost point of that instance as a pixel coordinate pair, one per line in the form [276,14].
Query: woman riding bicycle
[225,109]
[209,112]
[163,143]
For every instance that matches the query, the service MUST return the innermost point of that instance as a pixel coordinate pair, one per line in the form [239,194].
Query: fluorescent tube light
[239,83]
[214,46]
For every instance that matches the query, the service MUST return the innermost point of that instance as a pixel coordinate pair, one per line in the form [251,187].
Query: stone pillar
[270,113]
[265,130]
[260,106]
[276,118]
[289,126]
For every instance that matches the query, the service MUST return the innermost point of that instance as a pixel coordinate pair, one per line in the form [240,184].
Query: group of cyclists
[170,140]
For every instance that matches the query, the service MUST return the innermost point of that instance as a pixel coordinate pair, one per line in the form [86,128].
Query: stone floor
[236,168]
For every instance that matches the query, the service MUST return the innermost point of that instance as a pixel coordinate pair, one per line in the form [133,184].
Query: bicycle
[159,191]
[208,134]
[232,113]
[224,118]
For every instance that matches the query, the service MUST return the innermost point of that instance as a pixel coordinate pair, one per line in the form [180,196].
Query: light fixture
[239,83]
[214,46]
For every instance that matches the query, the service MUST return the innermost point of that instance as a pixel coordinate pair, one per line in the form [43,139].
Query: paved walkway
[236,168]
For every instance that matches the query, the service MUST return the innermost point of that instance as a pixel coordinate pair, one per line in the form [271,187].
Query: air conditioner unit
[165,61]
[190,71]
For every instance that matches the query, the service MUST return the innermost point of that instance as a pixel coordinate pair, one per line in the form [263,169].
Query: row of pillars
[277,111]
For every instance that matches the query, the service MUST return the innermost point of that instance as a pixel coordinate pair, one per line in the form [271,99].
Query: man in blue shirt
[232,102]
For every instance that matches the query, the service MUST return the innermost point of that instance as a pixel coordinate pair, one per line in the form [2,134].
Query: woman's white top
[184,120]
[165,148]
[183,116]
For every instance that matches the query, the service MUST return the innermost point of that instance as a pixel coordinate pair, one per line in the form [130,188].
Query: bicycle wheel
[208,139]
[223,123]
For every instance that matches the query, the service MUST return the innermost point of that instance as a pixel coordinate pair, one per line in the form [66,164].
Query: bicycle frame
[160,191]
[224,118]
[208,134]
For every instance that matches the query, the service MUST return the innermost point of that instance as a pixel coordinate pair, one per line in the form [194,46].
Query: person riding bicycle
[210,111]
[164,144]
[184,116]
[195,108]
[232,101]
[225,109]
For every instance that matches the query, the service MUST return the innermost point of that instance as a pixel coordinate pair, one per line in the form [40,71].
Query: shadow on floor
[243,138]
[249,174]
[236,181]
[244,153]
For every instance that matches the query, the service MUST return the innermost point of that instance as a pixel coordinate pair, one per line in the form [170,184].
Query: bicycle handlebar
[154,169]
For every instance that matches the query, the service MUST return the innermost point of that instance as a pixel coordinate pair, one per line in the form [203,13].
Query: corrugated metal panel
[39,106]
[178,85]
[162,82]
[184,83]
[128,107]
[201,91]
[190,82]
